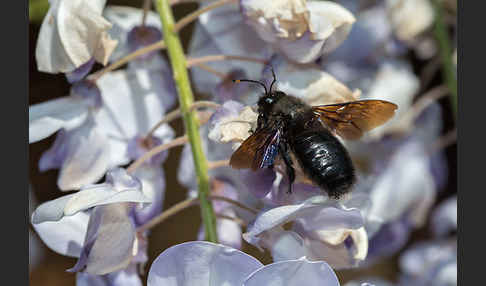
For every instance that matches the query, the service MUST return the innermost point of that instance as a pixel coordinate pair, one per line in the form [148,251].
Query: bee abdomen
[324,160]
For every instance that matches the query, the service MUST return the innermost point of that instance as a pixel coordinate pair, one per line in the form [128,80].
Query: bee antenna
[274,78]
[254,81]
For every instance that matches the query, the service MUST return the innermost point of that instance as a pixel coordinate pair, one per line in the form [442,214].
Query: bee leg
[288,164]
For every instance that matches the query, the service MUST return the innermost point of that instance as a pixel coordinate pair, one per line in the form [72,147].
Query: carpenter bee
[286,125]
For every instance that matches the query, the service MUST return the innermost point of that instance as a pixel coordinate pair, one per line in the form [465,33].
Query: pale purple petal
[303,50]
[300,192]
[80,72]
[51,210]
[135,101]
[228,90]
[259,183]
[153,187]
[397,83]
[369,281]
[88,90]
[119,187]
[48,117]
[405,185]
[430,263]
[444,218]
[65,236]
[389,239]
[283,245]
[82,155]
[109,242]
[294,273]
[317,213]
[342,248]
[126,277]
[142,36]
[310,84]
[201,263]
[223,31]
[228,231]
[124,19]
[229,109]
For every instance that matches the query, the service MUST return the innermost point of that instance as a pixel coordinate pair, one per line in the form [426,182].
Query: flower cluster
[112,138]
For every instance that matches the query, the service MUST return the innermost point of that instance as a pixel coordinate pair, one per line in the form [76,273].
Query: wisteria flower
[98,224]
[430,263]
[301,30]
[223,31]
[129,32]
[322,229]
[398,174]
[410,18]
[66,113]
[73,33]
[205,263]
[134,101]
[444,217]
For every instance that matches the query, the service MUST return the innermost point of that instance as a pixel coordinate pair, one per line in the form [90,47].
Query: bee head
[267,93]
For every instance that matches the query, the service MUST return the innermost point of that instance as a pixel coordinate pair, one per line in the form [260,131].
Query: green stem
[186,99]
[446,54]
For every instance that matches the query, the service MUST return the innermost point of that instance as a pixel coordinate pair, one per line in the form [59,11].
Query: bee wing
[257,151]
[351,119]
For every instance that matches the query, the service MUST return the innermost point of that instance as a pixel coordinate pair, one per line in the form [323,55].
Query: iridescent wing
[351,119]
[257,151]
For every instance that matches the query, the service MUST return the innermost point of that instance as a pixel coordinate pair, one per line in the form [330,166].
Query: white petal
[91,196]
[201,263]
[312,85]
[397,83]
[276,19]
[72,33]
[49,53]
[48,117]
[51,210]
[331,22]
[87,157]
[101,195]
[339,256]
[65,236]
[294,273]
[410,18]
[312,214]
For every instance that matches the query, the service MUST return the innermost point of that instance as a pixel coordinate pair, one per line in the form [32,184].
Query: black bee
[288,125]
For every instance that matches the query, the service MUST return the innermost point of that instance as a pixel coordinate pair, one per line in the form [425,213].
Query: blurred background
[48,268]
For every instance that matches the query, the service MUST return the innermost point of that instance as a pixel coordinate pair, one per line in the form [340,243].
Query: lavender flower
[96,139]
[130,34]
[205,263]
[98,225]
[223,31]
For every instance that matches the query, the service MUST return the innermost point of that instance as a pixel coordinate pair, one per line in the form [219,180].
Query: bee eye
[268,100]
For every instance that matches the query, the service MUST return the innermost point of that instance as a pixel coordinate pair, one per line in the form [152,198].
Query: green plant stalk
[186,99]
[446,54]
